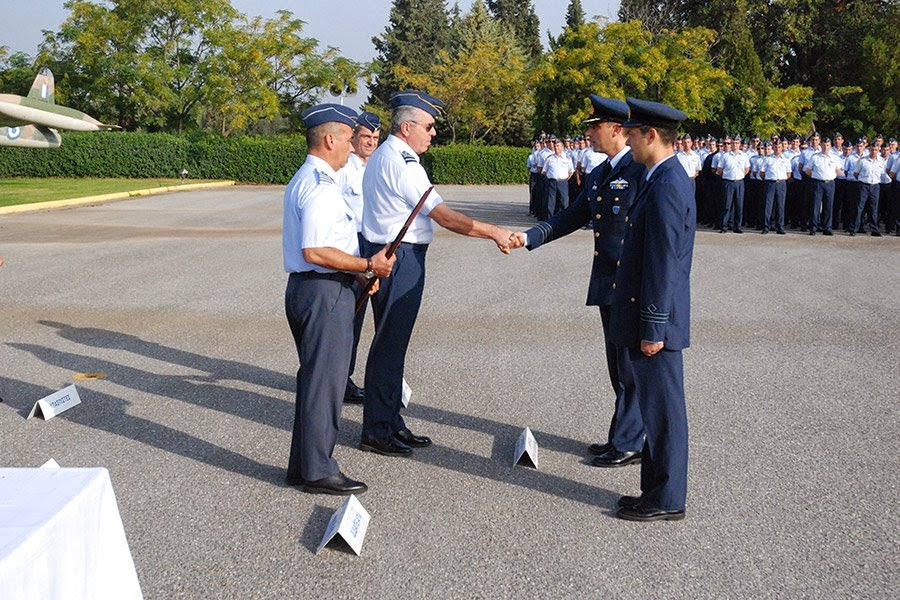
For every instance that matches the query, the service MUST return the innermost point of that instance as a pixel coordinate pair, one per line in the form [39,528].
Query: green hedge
[462,164]
[136,155]
[244,159]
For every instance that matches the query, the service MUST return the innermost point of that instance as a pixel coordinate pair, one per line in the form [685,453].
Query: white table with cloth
[61,537]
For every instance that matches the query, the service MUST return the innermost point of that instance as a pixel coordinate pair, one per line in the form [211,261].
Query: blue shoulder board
[324,177]
[409,158]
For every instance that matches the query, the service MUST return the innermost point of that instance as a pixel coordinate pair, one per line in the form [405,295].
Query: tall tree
[523,21]
[416,32]
[169,64]
[483,102]
[574,14]
[657,15]
[620,59]
[16,72]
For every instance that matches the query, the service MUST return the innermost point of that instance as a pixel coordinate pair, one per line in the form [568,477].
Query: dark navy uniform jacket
[651,300]
[604,202]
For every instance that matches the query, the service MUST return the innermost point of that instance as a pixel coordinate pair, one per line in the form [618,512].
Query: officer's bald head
[315,136]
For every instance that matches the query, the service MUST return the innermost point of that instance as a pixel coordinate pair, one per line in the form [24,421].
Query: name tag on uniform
[618,184]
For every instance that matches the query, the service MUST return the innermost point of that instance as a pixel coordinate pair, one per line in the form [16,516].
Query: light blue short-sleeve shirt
[393,182]
[315,216]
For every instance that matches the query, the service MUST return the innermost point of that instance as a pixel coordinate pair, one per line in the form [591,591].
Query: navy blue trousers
[868,194]
[776,191]
[542,187]
[319,309]
[658,382]
[626,429]
[557,195]
[733,204]
[395,306]
[822,202]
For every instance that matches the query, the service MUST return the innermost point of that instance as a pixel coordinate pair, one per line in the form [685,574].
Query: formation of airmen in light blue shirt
[812,184]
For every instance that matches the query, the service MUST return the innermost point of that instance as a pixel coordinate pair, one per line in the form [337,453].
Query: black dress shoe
[876,234]
[813,232]
[765,231]
[385,446]
[613,458]
[851,234]
[629,501]
[739,231]
[353,394]
[410,439]
[640,512]
[598,449]
[336,485]
[827,232]
[780,232]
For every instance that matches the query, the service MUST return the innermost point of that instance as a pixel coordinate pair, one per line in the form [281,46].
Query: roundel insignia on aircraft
[13,133]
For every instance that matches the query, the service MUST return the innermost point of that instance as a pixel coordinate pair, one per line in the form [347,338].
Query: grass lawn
[27,191]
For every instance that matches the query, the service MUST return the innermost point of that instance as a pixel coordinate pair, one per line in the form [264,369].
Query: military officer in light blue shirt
[321,255]
[365,139]
[775,171]
[868,172]
[822,168]
[733,166]
[393,184]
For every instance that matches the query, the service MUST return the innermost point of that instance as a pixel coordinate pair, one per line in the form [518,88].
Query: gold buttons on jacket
[626,219]
[632,300]
[598,215]
[596,253]
[614,286]
[596,234]
[618,263]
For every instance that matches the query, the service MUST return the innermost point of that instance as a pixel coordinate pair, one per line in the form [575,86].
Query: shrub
[244,159]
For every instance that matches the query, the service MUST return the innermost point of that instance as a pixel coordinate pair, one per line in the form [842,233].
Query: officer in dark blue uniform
[650,315]
[321,254]
[604,202]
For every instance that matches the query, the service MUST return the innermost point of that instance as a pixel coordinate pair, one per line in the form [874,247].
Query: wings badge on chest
[618,184]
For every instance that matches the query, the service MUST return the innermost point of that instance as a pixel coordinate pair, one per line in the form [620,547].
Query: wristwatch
[369,273]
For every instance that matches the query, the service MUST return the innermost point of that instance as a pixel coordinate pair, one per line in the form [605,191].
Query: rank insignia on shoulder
[409,158]
[616,209]
[618,184]
[324,177]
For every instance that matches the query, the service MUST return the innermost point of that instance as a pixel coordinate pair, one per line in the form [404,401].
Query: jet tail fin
[42,89]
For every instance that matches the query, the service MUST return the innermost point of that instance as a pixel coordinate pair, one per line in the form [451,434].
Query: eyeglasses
[428,127]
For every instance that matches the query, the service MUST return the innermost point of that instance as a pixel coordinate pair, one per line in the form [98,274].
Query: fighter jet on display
[32,121]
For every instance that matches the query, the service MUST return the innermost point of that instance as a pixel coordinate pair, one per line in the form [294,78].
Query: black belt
[339,276]
[416,247]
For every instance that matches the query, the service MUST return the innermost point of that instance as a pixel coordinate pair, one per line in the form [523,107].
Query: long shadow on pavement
[273,412]
[109,413]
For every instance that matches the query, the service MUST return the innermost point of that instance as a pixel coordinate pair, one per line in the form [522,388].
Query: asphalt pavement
[792,386]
